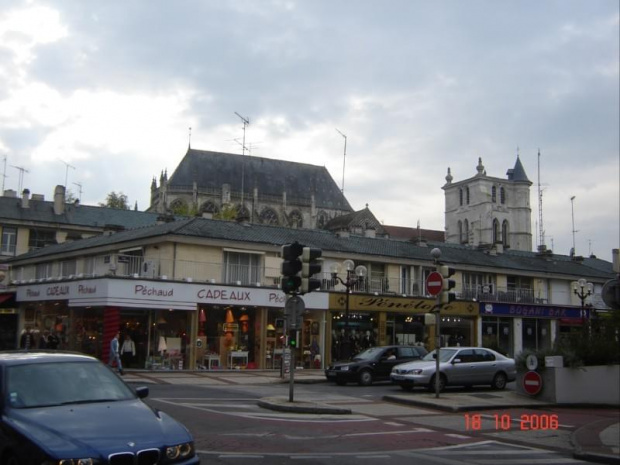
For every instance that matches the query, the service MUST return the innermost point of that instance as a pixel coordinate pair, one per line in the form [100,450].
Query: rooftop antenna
[22,170]
[4,176]
[344,157]
[246,123]
[67,171]
[572,201]
[189,144]
[79,191]
[541,231]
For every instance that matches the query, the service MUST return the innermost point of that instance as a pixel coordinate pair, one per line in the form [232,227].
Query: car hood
[419,364]
[97,430]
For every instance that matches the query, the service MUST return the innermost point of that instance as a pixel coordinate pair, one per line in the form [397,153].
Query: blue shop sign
[531,311]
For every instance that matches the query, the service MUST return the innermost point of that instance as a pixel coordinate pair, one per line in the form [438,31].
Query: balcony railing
[491,293]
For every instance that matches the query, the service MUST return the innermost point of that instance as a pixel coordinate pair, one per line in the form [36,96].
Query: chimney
[59,200]
[25,198]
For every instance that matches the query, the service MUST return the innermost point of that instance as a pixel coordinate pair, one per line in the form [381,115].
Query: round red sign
[434,283]
[532,383]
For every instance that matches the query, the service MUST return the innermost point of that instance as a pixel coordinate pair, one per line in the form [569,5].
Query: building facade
[199,293]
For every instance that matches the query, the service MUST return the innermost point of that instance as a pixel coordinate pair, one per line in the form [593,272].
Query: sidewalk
[598,441]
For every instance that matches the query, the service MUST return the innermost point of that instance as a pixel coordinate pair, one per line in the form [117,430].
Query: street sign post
[532,383]
[293,309]
[434,283]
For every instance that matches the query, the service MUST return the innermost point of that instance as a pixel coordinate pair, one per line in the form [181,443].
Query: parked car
[60,407]
[458,366]
[373,364]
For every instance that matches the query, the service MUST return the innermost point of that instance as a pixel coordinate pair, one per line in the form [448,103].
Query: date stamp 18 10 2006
[504,422]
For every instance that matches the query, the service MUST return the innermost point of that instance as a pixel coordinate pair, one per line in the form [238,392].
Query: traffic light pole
[437,344]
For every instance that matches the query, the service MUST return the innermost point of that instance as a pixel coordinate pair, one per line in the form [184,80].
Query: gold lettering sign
[413,305]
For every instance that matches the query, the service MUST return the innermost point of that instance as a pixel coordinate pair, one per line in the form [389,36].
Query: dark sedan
[373,364]
[70,409]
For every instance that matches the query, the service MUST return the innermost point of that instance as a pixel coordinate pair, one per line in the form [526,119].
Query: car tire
[407,387]
[499,381]
[442,383]
[365,378]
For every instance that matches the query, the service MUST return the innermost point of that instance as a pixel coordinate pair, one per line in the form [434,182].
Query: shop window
[242,268]
[9,241]
[536,334]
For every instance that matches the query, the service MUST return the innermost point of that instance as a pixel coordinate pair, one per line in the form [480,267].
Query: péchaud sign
[399,304]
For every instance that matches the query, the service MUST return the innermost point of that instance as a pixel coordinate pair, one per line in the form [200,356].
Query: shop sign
[530,311]
[403,304]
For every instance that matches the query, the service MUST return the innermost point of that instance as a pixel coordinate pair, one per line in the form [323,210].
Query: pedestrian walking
[115,354]
[128,351]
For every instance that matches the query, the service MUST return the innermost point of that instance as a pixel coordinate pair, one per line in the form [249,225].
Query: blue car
[61,408]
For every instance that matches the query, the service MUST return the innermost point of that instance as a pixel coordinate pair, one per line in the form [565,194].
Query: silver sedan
[458,366]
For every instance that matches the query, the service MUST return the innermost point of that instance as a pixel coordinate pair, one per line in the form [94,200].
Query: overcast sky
[103,93]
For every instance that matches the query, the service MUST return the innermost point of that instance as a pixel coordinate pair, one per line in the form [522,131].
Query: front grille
[143,457]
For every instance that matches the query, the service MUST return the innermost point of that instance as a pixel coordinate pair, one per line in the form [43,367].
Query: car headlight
[417,371]
[83,461]
[180,451]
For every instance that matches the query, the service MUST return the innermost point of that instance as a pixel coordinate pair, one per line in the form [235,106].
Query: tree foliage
[228,212]
[116,200]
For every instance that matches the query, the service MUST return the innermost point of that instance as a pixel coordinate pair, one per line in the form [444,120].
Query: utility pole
[344,158]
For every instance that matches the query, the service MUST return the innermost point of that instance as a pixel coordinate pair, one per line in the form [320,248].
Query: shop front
[512,328]
[163,324]
[379,320]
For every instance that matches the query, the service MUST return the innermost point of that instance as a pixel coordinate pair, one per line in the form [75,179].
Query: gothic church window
[494,194]
[467,192]
[321,220]
[461,197]
[268,216]
[209,207]
[502,195]
[496,232]
[466,227]
[295,219]
[460,231]
[505,231]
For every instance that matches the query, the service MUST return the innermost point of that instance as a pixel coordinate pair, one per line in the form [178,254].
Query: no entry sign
[434,283]
[532,383]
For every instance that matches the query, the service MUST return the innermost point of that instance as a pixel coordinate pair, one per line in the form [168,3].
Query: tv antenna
[572,209]
[246,123]
[79,190]
[4,176]
[67,171]
[541,230]
[344,157]
[20,183]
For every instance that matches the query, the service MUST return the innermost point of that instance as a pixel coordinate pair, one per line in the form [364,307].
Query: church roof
[360,219]
[517,173]
[271,177]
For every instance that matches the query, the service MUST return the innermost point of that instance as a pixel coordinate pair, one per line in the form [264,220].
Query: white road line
[381,433]
[457,436]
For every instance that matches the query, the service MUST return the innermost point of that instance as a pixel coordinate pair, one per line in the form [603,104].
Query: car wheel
[407,387]
[442,383]
[365,378]
[499,381]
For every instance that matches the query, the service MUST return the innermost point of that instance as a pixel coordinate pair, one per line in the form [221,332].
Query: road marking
[458,436]
[393,423]
[381,433]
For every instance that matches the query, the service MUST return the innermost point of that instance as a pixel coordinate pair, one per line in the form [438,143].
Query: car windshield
[444,355]
[368,354]
[59,383]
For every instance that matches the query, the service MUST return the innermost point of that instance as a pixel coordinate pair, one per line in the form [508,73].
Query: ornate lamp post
[583,290]
[353,275]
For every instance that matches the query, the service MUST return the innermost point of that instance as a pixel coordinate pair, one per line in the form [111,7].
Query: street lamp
[353,276]
[583,290]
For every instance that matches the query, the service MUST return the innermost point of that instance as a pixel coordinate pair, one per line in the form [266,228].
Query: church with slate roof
[261,190]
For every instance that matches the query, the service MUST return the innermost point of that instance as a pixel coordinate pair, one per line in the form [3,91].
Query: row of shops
[185,325]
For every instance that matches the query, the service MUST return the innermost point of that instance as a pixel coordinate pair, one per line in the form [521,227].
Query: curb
[458,408]
[282,404]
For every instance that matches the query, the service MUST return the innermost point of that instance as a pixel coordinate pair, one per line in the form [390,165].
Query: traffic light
[292,338]
[310,265]
[446,295]
[291,266]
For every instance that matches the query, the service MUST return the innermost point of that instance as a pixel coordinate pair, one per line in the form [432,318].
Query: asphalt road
[229,428]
